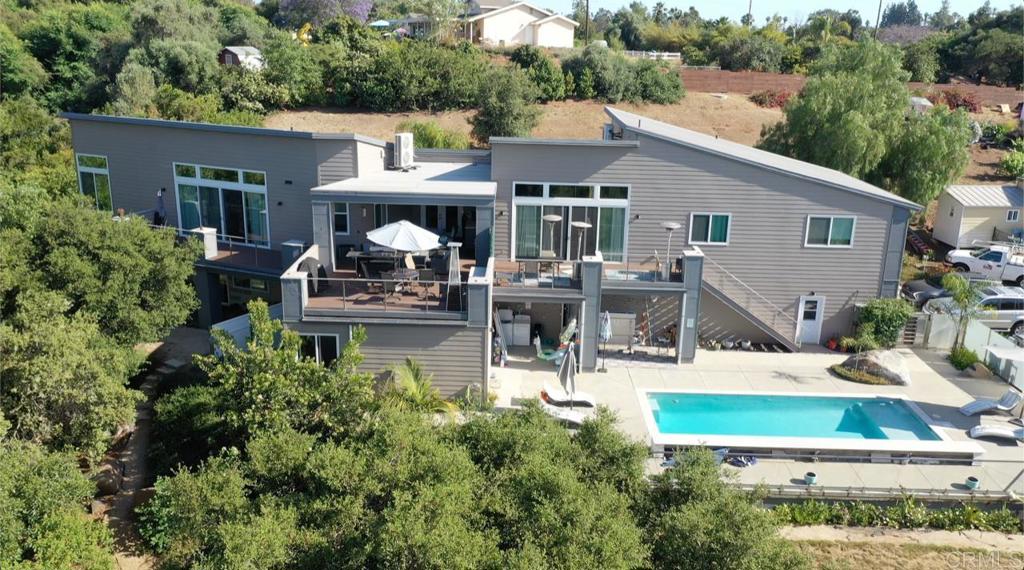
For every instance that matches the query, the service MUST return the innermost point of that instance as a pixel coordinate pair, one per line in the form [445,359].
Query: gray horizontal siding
[336,160]
[141,156]
[454,355]
[769,212]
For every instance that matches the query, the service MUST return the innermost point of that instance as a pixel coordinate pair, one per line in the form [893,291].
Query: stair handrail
[778,310]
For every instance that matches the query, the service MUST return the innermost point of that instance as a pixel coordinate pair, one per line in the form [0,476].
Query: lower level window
[830,231]
[1012,215]
[321,347]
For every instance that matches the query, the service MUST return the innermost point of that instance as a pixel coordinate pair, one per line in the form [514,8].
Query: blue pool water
[787,416]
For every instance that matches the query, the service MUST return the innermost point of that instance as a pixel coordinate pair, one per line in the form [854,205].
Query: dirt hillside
[730,116]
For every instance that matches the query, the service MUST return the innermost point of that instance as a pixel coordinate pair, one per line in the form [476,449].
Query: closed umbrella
[405,236]
[567,373]
[604,333]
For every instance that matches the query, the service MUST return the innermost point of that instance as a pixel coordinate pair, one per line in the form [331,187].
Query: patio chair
[558,396]
[371,287]
[408,261]
[571,417]
[426,280]
[390,285]
[1007,403]
[997,432]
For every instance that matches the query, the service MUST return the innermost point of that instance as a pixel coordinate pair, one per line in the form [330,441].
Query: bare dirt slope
[731,116]
[734,118]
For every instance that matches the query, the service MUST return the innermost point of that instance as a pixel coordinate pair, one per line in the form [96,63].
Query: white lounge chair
[558,396]
[1007,403]
[997,431]
[571,417]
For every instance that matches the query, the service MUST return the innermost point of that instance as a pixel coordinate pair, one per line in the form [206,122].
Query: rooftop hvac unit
[403,150]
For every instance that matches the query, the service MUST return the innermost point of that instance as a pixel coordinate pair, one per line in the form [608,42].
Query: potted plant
[810,478]
[973,483]
[728,344]
[745,344]
[832,344]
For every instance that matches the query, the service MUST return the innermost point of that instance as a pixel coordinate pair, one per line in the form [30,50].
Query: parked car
[996,262]
[920,291]
[1003,308]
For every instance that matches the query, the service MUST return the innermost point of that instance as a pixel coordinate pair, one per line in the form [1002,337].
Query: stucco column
[322,228]
[591,270]
[689,305]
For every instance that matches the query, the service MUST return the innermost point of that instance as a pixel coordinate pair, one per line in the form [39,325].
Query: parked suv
[1004,308]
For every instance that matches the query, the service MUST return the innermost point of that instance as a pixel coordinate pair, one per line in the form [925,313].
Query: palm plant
[963,305]
[411,389]
[863,342]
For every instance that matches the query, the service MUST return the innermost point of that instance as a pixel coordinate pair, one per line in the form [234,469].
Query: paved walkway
[164,357]
[878,535]
[936,387]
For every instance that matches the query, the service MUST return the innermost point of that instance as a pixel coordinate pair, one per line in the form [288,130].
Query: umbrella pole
[604,359]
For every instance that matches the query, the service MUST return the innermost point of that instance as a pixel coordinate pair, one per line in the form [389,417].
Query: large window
[709,229]
[830,231]
[569,221]
[321,347]
[230,200]
[94,180]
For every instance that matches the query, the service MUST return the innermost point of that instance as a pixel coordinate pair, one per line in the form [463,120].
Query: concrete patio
[937,388]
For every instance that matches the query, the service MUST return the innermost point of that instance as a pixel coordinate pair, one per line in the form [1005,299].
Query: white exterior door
[809,318]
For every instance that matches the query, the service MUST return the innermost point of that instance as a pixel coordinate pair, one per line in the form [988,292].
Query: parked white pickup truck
[995,263]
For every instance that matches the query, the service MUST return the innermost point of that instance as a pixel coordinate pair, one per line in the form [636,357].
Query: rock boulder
[888,365]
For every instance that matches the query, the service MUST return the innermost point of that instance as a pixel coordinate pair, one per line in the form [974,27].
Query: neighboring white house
[967,214]
[518,23]
[244,56]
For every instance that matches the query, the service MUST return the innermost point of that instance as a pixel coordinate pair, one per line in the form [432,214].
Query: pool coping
[943,448]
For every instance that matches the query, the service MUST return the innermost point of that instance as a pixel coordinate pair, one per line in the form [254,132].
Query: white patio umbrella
[404,235]
[604,333]
[567,373]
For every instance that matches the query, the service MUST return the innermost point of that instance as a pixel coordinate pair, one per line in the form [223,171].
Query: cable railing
[232,249]
[388,294]
[733,287]
[544,274]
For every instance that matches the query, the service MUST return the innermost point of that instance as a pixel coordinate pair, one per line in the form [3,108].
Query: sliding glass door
[569,221]
[234,202]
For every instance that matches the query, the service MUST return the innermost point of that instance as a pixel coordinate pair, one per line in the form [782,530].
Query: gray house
[679,237]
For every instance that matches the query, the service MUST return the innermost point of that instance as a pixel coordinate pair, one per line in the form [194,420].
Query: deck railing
[389,295]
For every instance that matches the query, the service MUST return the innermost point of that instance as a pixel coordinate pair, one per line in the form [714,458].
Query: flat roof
[987,196]
[754,156]
[211,127]
[428,179]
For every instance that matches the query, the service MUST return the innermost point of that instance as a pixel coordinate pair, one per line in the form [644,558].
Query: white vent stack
[403,150]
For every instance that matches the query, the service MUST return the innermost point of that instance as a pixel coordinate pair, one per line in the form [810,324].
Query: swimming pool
[788,416]
[868,425]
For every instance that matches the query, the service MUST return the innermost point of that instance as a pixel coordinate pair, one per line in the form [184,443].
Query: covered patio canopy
[436,183]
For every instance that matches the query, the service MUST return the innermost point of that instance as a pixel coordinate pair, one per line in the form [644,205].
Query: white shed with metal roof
[979,213]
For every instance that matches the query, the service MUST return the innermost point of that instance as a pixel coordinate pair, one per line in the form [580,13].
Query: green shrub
[411,76]
[962,357]
[888,317]
[429,134]
[505,106]
[599,72]
[1012,164]
[656,82]
[859,376]
[542,71]
[188,426]
[907,512]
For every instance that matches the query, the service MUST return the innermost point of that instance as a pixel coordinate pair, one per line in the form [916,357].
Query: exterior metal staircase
[767,316]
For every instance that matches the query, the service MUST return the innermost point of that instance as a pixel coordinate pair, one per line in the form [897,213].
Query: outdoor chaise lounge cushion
[997,431]
[568,416]
[558,396]
[1008,402]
